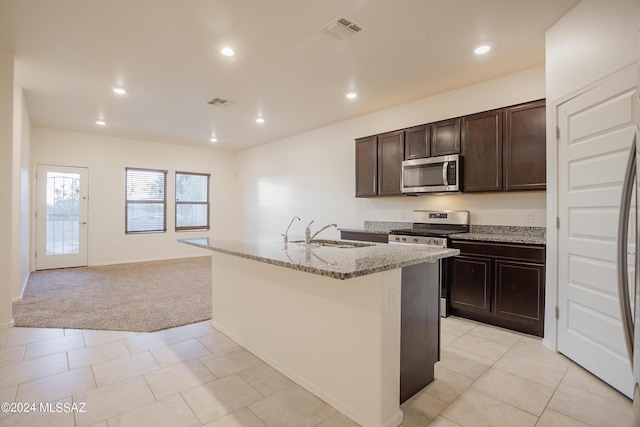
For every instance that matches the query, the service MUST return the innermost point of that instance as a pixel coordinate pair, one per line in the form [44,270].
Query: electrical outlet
[528,217]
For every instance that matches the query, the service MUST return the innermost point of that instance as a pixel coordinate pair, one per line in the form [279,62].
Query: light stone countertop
[505,234]
[500,238]
[484,233]
[338,263]
[378,227]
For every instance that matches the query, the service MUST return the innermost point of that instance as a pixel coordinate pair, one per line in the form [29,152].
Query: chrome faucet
[286,233]
[308,238]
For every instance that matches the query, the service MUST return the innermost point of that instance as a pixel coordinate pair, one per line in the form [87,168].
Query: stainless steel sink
[343,244]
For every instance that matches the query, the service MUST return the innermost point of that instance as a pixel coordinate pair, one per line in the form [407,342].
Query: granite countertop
[505,234]
[338,263]
[379,227]
[483,233]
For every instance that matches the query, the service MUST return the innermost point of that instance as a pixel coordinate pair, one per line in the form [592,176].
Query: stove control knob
[404,239]
[415,239]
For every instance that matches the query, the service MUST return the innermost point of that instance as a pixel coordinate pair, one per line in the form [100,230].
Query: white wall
[106,159]
[22,167]
[595,39]
[8,244]
[592,41]
[312,175]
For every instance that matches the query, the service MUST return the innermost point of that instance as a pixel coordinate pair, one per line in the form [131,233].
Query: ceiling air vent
[219,102]
[342,28]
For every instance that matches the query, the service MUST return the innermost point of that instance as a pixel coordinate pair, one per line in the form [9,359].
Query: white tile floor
[195,376]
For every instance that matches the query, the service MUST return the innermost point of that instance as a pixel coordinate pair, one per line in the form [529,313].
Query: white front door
[596,130]
[61,217]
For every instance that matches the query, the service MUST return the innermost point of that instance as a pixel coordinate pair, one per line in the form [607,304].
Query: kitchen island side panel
[420,327]
[339,339]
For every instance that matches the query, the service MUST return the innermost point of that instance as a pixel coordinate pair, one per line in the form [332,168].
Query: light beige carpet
[139,297]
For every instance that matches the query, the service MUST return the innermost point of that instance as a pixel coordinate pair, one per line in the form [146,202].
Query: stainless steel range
[433,228]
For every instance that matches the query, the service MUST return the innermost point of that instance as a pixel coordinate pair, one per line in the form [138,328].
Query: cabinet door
[525,147]
[470,283]
[482,151]
[367,166]
[520,292]
[417,142]
[445,137]
[390,156]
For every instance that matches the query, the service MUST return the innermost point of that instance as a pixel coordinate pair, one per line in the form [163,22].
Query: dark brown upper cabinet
[445,137]
[417,142]
[482,151]
[525,157]
[367,166]
[503,150]
[379,164]
[390,156]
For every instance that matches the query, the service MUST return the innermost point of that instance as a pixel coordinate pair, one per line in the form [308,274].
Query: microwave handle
[445,168]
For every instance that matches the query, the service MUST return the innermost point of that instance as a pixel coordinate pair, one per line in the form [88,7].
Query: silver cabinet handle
[622,267]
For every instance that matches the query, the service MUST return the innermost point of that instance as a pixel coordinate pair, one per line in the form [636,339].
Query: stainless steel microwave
[442,174]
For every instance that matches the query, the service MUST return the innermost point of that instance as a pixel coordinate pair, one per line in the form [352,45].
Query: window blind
[146,200]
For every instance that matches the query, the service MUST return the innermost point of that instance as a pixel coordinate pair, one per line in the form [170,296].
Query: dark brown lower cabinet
[472,290]
[365,236]
[520,292]
[499,283]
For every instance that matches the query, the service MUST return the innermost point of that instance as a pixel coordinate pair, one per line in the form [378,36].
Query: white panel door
[61,217]
[596,131]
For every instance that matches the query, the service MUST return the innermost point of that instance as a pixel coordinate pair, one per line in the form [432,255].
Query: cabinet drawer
[501,250]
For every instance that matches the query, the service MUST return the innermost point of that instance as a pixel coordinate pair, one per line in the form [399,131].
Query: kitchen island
[341,320]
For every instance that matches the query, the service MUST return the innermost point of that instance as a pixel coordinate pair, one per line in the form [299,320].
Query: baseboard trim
[146,260]
[8,325]
[22,289]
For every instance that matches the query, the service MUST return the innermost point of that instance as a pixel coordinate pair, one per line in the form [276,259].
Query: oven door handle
[445,168]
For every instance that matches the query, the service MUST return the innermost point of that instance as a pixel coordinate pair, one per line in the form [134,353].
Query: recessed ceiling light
[480,50]
[227,51]
[259,120]
[119,90]
[352,95]
[101,122]
[213,139]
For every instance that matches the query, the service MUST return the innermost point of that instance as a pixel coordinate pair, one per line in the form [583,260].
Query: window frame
[207,203]
[127,202]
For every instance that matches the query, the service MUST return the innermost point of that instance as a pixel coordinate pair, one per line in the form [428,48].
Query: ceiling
[69,54]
